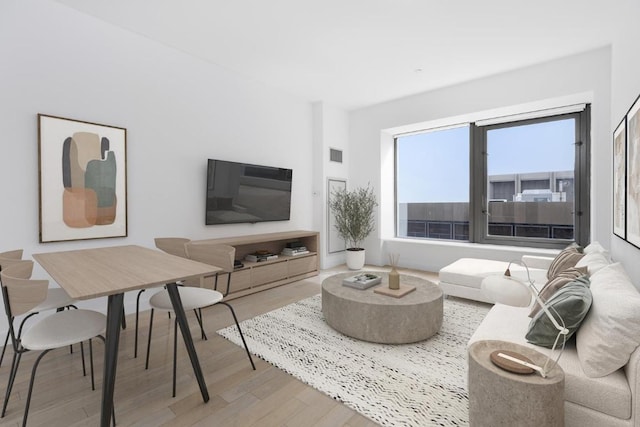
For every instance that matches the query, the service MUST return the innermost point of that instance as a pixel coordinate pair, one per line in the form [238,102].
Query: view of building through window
[529,174]
[432,182]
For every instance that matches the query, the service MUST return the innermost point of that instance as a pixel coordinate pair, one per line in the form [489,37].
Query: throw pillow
[596,247]
[610,332]
[594,261]
[567,258]
[563,278]
[568,306]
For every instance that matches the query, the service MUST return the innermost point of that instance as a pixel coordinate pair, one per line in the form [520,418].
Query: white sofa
[611,400]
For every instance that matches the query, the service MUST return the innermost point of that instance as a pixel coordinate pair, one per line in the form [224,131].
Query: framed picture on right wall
[633,174]
[620,179]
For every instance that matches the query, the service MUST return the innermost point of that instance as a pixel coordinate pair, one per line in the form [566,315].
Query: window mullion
[477,184]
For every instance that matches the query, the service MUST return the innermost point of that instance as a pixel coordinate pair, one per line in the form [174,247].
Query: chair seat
[64,328]
[192,298]
[56,298]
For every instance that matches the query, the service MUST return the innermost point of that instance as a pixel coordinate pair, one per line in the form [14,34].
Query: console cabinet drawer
[240,279]
[268,273]
[302,265]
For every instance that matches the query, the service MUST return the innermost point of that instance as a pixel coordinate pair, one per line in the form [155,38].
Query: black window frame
[479,191]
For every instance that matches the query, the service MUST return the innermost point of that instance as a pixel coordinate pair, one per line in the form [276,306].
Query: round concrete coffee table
[369,316]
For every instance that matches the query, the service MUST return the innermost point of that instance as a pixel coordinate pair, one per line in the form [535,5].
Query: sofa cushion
[610,394]
[611,330]
[563,278]
[594,261]
[471,271]
[595,247]
[571,304]
[567,258]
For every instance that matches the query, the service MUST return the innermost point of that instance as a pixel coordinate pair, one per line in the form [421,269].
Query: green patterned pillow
[571,304]
[553,285]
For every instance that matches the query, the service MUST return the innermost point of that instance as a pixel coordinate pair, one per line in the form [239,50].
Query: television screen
[241,192]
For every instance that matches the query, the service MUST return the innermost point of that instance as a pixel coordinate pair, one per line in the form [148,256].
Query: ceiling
[355,53]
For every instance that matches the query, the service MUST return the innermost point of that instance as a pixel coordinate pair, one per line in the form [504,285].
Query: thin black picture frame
[82,168]
[620,179]
[633,174]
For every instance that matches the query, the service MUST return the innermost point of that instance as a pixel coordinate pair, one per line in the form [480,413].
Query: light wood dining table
[112,271]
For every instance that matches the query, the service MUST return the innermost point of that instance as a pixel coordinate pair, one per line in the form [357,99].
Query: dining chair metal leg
[175,353]
[135,347]
[33,377]
[124,319]
[6,340]
[4,348]
[198,313]
[12,376]
[146,365]
[235,319]
[93,383]
[84,368]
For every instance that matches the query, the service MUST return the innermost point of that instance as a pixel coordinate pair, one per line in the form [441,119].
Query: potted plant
[353,212]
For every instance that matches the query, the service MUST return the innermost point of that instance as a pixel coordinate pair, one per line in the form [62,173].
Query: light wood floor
[239,395]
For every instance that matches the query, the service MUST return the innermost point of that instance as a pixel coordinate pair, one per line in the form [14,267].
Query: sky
[434,166]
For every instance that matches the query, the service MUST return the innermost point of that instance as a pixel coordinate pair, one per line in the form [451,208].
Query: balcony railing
[551,220]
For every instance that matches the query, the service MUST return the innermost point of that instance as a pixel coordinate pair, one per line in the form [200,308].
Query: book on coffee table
[362,280]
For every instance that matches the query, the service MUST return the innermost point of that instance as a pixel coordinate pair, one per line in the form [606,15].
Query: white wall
[331,130]
[625,87]
[178,111]
[583,77]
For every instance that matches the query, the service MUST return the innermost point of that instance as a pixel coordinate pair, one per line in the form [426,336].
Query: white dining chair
[22,294]
[197,298]
[57,299]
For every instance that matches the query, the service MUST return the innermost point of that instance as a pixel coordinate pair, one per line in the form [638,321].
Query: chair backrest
[23,293]
[172,245]
[10,257]
[214,254]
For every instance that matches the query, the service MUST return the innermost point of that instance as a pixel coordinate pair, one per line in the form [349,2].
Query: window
[522,182]
[431,202]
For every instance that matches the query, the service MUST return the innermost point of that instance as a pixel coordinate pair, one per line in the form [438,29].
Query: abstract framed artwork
[633,174]
[619,179]
[83,180]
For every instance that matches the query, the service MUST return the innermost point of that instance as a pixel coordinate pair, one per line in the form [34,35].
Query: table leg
[114,320]
[181,318]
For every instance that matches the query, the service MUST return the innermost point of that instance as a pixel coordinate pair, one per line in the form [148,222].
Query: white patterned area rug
[422,384]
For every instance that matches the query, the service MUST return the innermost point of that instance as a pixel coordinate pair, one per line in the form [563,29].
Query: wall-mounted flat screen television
[242,192]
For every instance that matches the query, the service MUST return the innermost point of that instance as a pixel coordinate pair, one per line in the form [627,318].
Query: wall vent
[335,155]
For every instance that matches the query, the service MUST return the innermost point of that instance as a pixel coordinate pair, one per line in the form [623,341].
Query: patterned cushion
[568,306]
[552,286]
[567,258]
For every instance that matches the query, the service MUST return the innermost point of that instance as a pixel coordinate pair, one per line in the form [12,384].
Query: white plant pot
[355,259]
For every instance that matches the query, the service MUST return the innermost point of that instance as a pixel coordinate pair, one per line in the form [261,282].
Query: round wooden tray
[510,366]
